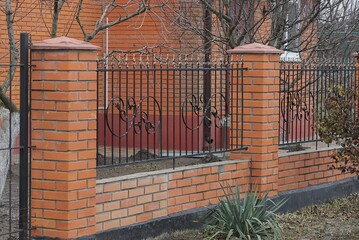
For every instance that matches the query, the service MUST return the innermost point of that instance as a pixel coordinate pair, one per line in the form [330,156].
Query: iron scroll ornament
[292,105]
[139,120]
[202,111]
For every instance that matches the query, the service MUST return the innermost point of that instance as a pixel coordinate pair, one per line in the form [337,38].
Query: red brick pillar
[64,136]
[261,113]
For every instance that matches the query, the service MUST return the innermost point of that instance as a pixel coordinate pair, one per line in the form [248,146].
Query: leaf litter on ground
[335,220]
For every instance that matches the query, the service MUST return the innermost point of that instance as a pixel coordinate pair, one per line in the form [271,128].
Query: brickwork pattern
[307,169]
[64,137]
[142,197]
[260,120]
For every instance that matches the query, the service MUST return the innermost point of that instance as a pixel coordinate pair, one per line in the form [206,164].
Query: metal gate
[15,151]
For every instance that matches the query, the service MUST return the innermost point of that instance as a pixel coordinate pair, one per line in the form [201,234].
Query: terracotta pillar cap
[64,43]
[255,48]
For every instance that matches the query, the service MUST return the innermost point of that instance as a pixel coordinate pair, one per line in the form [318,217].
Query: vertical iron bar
[179,103]
[237,102]
[229,93]
[120,112]
[301,102]
[10,150]
[161,107]
[24,121]
[148,104]
[30,136]
[174,112]
[104,90]
[316,77]
[154,104]
[242,102]
[141,96]
[198,102]
[134,98]
[213,124]
[167,105]
[97,112]
[127,101]
[112,110]
[192,112]
[186,94]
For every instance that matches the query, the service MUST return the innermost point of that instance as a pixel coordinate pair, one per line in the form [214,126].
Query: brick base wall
[137,198]
[299,170]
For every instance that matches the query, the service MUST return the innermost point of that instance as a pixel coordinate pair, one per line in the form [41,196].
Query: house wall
[31,17]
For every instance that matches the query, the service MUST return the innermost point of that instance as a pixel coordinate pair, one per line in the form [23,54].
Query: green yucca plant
[250,218]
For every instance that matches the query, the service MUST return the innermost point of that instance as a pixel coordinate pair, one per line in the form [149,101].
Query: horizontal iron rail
[117,69]
[171,157]
[17,65]
[13,148]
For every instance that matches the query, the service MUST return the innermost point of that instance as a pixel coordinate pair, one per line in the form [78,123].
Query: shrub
[250,218]
[338,123]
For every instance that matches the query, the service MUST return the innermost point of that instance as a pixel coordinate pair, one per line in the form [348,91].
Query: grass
[334,220]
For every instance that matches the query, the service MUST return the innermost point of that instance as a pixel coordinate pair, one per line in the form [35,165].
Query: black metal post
[24,131]
[207,84]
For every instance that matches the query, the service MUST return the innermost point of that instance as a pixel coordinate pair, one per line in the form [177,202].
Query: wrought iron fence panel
[304,88]
[150,108]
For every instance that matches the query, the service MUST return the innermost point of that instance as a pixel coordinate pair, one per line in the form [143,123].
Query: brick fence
[67,200]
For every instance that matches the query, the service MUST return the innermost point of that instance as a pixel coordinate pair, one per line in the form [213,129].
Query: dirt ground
[114,171]
[335,220]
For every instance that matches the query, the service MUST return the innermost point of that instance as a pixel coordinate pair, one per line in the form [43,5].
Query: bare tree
[123,10]
[8,109]
[292,25]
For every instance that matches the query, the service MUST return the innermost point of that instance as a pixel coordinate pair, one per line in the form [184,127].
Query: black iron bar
[97,112]
[301,102]
[242,103]
[174,112]
[120,112]
[134,111]
[167,82]
[127,99]
[104,90]
[192,114]
[186,108]
[161,105]
[10,152]
[148,102]
[154,105]
[30,137]
[198,100]
[141,96]
[112,109]
[24,131]
[179,107]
